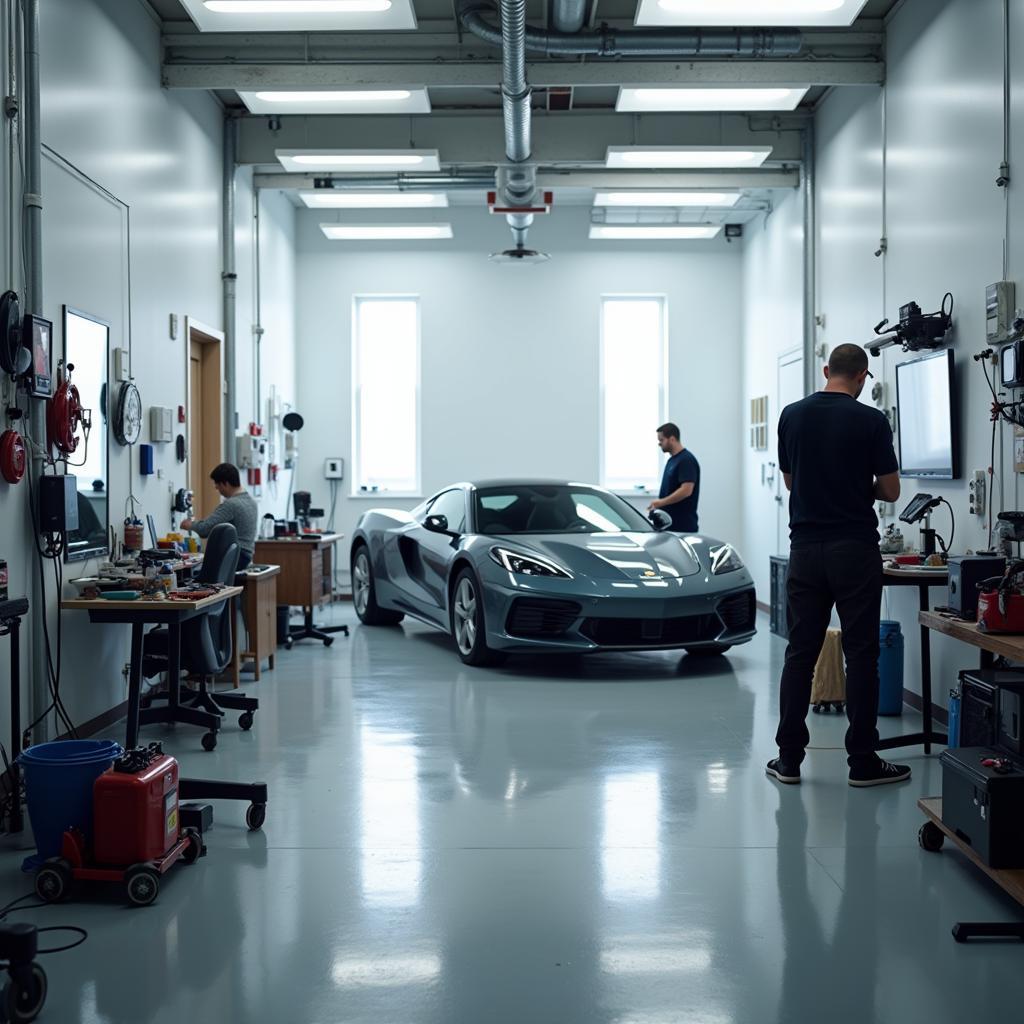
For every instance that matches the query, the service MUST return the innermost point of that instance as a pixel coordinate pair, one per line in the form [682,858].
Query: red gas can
[135,808]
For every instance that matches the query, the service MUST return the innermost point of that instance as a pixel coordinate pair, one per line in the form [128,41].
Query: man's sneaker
[778,769]
[881,773]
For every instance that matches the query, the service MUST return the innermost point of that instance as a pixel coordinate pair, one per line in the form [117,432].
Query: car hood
[612,556]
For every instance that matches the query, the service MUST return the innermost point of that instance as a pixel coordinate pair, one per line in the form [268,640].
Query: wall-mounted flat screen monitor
[926,417]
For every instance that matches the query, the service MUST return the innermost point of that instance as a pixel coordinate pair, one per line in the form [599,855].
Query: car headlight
[527,565]
[725,559]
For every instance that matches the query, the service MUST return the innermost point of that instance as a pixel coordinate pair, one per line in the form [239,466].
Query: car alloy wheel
[361,582]
[465,616]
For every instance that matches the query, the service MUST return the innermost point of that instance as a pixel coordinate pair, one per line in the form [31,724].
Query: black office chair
[206,649]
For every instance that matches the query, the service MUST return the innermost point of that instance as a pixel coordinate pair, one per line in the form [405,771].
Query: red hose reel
[64,415]
[12,456]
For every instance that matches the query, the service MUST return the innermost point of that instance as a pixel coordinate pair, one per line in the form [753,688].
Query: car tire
[708,650]
[364,593]
[467,622]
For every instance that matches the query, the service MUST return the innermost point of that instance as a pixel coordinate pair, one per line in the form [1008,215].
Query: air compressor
[137,833]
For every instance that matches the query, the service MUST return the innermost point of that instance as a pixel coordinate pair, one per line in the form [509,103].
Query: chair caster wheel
[24,995]
[209,740]
[328,641]
[245,720]
[288,644]
[255,815]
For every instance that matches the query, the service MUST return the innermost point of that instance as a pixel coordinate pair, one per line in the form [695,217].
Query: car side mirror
[660,519]
[437,524]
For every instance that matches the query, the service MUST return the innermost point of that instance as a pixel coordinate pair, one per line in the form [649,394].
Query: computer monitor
[926,417]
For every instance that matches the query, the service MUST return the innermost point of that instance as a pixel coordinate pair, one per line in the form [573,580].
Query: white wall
[510,367]
[945,229]
[159,154]
[772,326]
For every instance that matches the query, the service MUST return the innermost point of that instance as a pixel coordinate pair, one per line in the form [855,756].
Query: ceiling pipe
[568,16]
[519,177]
[608,42]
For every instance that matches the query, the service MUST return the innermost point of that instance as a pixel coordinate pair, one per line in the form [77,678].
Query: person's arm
[221,514]
[785,463]
[681,493]
[887,487]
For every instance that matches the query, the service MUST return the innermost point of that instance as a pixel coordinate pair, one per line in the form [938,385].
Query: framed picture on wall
[759,423]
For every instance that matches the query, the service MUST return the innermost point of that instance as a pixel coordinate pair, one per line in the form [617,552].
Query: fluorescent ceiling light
[296,6]
[301,15]
[385,232]
[666,198]
[780,13]
[328,199]
[686,156]
[654,231]
[338,101]
[359,160]
[638,100]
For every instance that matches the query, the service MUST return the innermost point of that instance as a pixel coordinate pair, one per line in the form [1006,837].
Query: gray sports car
[532,565]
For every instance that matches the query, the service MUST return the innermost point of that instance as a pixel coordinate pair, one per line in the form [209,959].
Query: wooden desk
[138,614]
[260,604]
[307,579]
[923,580]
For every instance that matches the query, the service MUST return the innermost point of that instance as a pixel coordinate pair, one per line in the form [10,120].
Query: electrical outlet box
[976,493]
[122,364]
[161,424]
[334,469]
[999,301]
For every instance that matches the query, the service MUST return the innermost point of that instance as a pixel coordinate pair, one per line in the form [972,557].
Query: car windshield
[554,508]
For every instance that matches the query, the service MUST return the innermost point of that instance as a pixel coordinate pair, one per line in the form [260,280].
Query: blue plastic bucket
[59,778]
[890,668]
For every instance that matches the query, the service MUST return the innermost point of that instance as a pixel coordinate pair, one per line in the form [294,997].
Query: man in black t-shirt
[837,459]
[680,483]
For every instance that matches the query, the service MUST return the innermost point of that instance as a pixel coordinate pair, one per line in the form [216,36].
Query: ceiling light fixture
[337,101]
[359,161]
[779,13]
[327,199]
[386,232]
[653,231]
[297,6]
[686,156]
[638,100]
[666,198]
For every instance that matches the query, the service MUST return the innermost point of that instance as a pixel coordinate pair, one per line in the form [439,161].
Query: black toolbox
[985,808]
[980,691]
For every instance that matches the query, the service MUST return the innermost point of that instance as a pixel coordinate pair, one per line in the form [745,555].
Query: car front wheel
[364,595]
[468,628]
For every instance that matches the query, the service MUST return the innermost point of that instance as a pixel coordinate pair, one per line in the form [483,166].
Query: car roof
[529,482]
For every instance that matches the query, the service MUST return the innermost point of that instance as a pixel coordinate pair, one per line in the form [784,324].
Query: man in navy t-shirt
[680,484]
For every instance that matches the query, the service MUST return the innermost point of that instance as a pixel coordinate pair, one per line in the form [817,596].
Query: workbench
[934,831]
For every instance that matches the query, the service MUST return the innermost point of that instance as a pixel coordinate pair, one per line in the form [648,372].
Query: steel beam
[542,74]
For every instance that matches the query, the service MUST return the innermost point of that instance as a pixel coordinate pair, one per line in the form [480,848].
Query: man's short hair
[226,473]
[847,361]
[669,430]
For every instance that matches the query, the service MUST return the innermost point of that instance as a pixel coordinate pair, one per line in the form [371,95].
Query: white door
[791,389]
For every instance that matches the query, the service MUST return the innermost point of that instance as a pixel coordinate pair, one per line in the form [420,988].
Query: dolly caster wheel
[209,741]
[194,850]
[23,997]
[930,837]
[817,708]
[53,880]
[142,883]
[255,815]
[245,720]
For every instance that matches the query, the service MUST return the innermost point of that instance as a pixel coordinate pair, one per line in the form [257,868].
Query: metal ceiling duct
[569,15]
[608,42]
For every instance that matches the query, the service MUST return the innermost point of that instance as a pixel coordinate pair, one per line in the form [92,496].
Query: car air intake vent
[656,633]
[536,617]
[738,612]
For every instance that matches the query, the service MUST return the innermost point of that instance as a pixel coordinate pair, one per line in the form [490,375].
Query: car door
[426,556]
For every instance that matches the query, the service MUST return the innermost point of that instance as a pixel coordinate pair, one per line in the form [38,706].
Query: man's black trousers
[848,575]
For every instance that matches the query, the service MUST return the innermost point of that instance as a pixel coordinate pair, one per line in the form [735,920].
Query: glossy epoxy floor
[582,842]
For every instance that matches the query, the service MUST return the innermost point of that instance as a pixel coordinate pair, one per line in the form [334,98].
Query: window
[451,505]
[386,395]
[554,508]
[633,390]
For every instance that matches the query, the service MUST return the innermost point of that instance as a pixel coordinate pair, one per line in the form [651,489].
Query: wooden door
[195,418]
[205,416]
